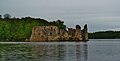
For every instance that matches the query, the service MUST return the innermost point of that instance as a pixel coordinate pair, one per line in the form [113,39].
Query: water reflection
[48,52]
[60,52]
[69,51]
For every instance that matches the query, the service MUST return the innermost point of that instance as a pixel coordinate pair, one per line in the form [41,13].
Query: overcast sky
[98,14]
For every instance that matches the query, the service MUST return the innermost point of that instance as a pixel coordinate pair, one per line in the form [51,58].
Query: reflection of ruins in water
[60,52]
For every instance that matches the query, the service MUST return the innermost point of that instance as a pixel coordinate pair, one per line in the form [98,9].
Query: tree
[60,24]
[0,16]
[8,16]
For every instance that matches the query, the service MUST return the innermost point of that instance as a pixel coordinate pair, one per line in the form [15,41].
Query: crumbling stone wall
[85,33]
[53,33]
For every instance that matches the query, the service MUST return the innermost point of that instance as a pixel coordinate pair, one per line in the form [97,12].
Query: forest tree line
[105,35]
[20,29]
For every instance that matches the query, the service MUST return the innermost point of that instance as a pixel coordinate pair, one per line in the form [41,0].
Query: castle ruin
[54,34]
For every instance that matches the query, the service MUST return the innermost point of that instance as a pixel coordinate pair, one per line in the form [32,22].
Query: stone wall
[53,33]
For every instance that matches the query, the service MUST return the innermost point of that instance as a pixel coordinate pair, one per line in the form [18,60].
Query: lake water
[94,50]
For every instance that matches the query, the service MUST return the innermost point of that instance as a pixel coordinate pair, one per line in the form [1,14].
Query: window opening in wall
[51,28]
[51,34]
[34,33]
[39,33]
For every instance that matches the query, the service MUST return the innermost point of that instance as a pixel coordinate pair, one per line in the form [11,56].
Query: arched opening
[34,33]
[44,33]
[51,28]
[50,34]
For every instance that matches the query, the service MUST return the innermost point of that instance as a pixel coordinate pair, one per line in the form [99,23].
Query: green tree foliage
[59,23]
[7,16]
[16,29]
[105,35]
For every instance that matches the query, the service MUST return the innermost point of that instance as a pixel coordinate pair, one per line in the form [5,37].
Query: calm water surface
[94,50]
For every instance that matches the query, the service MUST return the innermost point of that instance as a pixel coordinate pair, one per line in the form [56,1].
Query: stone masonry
[54,34]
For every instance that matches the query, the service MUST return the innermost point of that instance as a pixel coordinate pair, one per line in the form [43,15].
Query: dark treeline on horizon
[20,29]
[105,35]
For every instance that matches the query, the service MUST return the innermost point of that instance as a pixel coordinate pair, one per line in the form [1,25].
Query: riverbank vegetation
[105,35]
[20,29]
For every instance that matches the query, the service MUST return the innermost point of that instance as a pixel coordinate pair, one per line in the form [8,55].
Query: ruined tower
[78,33]
[85,33]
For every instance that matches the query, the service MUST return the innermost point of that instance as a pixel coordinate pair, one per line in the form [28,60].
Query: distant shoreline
[104,35]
